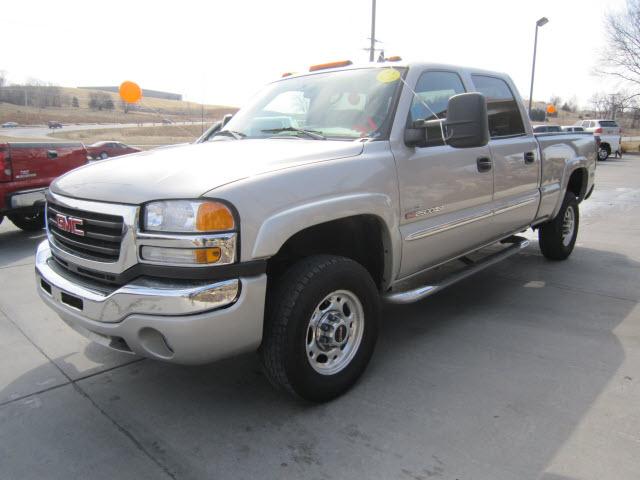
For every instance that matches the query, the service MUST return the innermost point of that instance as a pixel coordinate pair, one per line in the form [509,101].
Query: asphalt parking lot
[529,370]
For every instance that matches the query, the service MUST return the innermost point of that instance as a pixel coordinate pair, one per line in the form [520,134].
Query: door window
[434,89]
[505,118]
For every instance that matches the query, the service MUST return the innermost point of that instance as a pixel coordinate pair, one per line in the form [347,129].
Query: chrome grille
[102,233]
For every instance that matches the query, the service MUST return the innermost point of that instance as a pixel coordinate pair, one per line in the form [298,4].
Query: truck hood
[192,170]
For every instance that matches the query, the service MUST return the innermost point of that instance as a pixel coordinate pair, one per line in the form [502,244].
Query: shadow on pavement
[486,380]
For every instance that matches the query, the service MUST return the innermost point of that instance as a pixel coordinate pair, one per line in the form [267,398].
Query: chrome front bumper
[28,198]
[183,322]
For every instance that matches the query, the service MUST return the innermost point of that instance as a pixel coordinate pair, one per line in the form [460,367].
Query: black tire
[104,155]
[553,243]
[29,222]
[604,152]
[290,306]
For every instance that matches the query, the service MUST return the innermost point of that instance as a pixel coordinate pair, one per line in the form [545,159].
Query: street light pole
[542,21]
[372,48]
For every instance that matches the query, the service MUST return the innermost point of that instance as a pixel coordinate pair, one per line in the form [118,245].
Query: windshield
[344,104]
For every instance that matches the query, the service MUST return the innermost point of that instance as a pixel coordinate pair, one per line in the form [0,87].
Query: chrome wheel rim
[334,332]
[568,226]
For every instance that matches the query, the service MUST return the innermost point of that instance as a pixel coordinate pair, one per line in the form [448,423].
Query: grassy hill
[147,110]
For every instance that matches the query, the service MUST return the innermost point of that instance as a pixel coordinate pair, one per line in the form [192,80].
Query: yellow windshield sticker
[388,75]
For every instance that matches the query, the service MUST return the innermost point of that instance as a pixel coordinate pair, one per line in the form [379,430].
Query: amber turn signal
[207,255]
[214,216]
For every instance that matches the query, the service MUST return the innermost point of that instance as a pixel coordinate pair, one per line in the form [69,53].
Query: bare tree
[622,55]
[614,104]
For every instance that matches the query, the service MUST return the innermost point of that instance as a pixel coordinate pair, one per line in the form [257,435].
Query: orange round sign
[551,109]
[130,92]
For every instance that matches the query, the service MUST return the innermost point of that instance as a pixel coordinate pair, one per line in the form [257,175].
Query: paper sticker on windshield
[388,75]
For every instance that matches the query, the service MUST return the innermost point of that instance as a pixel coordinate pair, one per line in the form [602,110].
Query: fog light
[181,255]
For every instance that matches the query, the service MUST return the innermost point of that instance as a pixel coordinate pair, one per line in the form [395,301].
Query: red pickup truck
[26,170]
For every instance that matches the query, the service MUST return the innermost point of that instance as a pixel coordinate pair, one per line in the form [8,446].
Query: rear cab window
[608,123]
[505,119]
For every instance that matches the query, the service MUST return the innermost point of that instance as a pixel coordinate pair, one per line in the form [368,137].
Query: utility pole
[372,48]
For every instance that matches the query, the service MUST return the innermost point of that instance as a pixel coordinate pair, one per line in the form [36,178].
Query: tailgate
[609,128]
[45,161]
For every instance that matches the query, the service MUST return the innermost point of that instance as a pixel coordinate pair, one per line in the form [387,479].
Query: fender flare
[576,164]
[280,227]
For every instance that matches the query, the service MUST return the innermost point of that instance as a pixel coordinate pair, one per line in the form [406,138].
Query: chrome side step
[413,295]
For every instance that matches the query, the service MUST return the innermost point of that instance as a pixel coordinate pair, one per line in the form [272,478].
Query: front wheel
[29,222]
[104,155]
[558,236]
[321,327]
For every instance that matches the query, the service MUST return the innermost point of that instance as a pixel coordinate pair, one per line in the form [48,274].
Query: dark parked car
[102,150]
[572,128]
[55,125]
[546,129]
[9,125]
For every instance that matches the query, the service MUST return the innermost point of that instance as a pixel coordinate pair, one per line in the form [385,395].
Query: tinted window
[608,123]
[434,89]
[504,114]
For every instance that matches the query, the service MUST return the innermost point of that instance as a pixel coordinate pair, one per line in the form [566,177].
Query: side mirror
[466,125]
[226,119]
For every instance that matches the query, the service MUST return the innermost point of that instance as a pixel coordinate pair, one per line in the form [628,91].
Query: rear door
[515,156]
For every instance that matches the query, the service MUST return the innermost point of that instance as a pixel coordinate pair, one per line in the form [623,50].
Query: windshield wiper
[230,133]
[316,135]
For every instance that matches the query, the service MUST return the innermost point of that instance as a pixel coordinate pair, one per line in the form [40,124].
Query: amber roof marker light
[324,66]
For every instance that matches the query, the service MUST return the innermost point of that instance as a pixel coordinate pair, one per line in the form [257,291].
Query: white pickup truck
[332,191]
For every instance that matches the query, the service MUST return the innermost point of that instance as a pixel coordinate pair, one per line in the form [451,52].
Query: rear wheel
[558,237]
[321,327]
[603,152]
[29,222]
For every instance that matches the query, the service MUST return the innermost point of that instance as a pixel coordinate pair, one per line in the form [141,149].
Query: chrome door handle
[484,164]
[529,157]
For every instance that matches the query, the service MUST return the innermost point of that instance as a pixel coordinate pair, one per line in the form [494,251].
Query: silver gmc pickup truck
[331,191]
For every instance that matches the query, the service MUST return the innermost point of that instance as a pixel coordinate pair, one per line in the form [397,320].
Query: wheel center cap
[340,335]
[332,331]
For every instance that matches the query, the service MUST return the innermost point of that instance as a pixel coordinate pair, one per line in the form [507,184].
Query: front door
[445,193]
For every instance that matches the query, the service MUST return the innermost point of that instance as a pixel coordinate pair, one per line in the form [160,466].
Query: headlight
[187,232]
[187,216]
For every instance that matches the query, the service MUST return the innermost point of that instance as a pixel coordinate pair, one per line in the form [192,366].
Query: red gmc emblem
[69,224]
